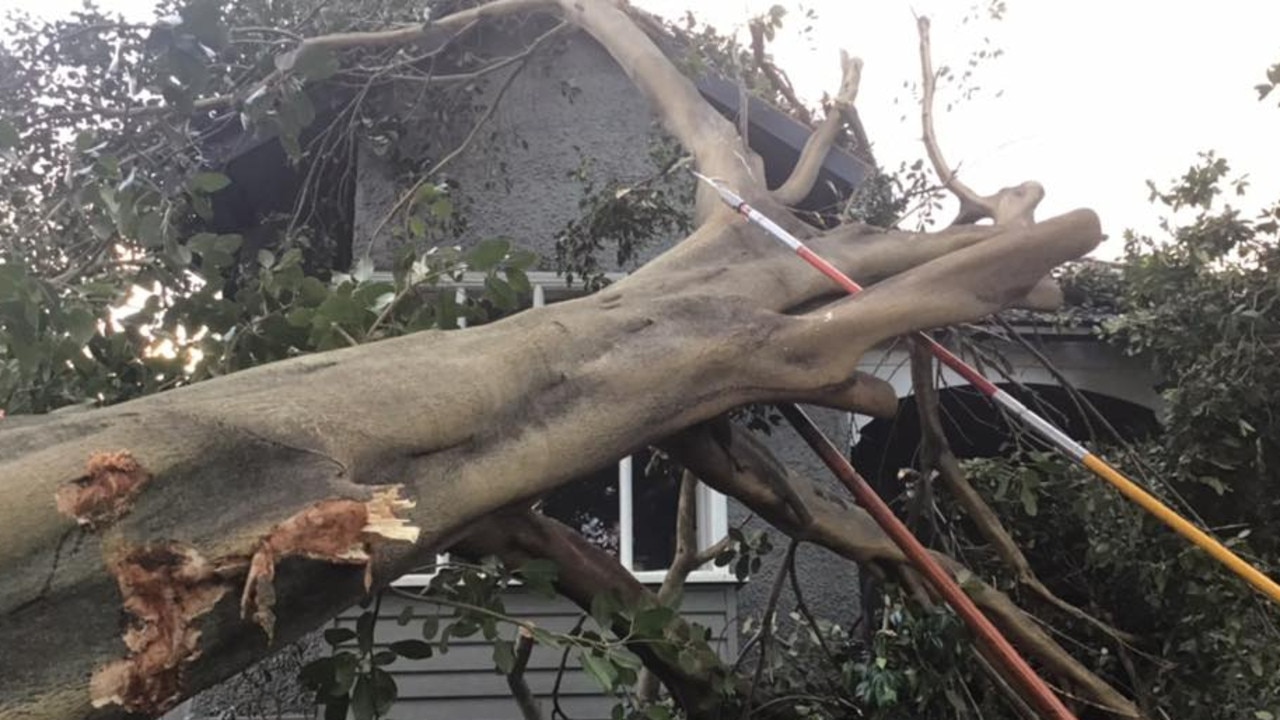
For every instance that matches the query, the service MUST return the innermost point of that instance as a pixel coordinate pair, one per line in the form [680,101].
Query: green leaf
[504,656]
[430,626]
[384,691]
[442,209]
[345,665]
[311,62]
[317,675]
[625,659]
[383,658]
[657,712]
[540,575]
[150,230]
[651,622]
[603,606]
[488,253]
[405,616]
[601,669]
[81,325]
[336,708]
[417,227]
[362,707]
[500,293]
[203,19]
[522,259]
[338,635]
[463,629]
[208,182]
[519,281]
[412,649]
[1030,504]
[544,638]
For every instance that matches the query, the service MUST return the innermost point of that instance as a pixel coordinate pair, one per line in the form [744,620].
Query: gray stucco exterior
[516,181]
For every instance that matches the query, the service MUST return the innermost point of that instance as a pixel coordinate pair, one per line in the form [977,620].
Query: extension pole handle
[1183,527]
[1030,685]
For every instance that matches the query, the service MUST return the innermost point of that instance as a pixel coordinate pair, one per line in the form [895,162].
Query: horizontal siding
[503,708]
[463,683]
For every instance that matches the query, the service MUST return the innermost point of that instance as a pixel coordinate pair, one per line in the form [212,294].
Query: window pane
[589,505]
[655,492]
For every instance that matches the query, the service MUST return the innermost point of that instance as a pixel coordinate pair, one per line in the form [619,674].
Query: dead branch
[815,150]
[936,454]
[777,78]
[1015,205]
[525,700]
[522,58]
[768,621]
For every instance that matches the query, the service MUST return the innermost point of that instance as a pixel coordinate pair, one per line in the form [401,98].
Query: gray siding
[461,683]
[464,684]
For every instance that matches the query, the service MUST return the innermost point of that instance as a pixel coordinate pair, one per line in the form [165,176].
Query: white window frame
[712,506]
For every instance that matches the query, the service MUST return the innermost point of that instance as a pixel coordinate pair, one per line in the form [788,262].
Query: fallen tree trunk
[224,519]
[445,420]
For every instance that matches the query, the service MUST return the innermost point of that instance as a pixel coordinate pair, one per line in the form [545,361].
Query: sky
[1091,98]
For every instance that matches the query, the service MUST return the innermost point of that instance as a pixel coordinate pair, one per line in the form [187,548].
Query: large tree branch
[313,489]
[739,467]
[814,153]
[704,132]
[936,454]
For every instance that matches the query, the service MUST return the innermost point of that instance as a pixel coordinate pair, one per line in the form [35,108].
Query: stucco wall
[515,181]
[829,582]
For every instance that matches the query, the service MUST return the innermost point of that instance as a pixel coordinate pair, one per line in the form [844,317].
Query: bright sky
[1096,96]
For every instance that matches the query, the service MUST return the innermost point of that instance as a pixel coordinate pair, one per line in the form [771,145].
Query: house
[552,117]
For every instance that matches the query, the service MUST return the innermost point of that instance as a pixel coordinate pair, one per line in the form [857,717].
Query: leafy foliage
[127,264]
[1200,305]
[629,216]
[465,600]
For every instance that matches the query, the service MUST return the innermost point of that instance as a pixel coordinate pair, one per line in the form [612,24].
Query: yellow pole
[1180,525]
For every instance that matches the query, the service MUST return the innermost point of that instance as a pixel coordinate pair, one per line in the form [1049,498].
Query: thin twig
[766,632]
[776,77]
[466,142]
[528,704]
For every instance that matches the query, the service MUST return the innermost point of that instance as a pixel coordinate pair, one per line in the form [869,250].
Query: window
[627,510]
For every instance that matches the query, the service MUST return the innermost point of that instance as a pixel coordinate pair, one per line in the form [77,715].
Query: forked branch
[1014,205]
[814,154]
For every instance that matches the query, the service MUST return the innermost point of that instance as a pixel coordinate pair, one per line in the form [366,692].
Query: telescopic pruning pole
[1042,427]
[1029,685]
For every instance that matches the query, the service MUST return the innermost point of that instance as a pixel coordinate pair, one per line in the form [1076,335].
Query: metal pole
[1033,689]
